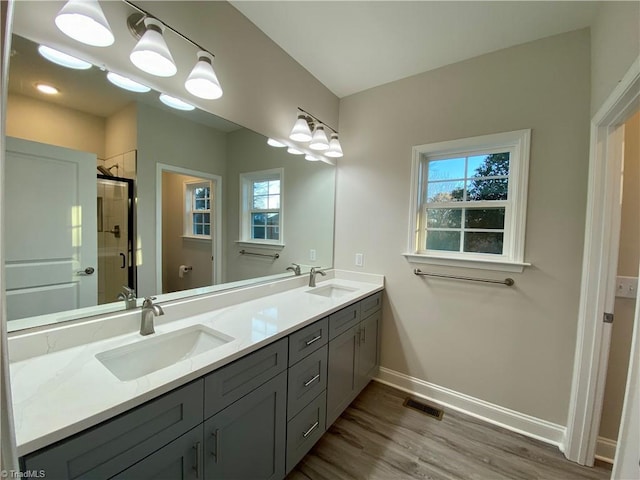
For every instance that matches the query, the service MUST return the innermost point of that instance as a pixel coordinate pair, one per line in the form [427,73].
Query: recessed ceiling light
[295,151]
[48,89]
[126,83]
[311,158]
[275,143]
[62,59]
[176,103]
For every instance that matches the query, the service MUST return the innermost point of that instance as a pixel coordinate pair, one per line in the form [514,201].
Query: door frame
[600,249]
[216,239]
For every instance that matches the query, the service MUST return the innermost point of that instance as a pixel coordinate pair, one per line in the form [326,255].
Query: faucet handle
[148,301]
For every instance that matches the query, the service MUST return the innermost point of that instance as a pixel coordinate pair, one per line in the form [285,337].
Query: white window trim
[245,220]
[187,195]
[518,142]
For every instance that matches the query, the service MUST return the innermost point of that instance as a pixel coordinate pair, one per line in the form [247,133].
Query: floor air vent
[424,408]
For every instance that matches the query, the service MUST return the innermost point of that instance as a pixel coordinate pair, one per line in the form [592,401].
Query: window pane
[201,204]
[484,218]
[445,191]
[201,192]
[274,187]
[197,218]
[444,217]
[449,241]
[483,242]
[495,189]
[260,202]
[207,230]
[197,229]
[207,205]
[273,233]
[206,218]
[258,232]
[258,219]
[260,188]
[274,201]
[494,165]
[273,219]
[451,168]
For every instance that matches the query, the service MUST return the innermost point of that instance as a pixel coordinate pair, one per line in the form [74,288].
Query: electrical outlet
[359,259]
[312,255]
[626,287]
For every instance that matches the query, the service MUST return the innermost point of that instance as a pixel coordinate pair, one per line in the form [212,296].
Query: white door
[50,229]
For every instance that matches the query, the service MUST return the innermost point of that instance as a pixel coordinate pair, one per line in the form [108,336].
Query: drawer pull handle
[198,448]
[313,340]
[306,384]
[216,454]
[311,429]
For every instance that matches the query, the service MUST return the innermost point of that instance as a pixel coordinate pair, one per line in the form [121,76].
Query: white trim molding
[592,338]
[606,449]
[518,422]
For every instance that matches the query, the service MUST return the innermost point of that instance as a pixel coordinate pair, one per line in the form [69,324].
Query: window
[469,202]
[198,210]
[261,220]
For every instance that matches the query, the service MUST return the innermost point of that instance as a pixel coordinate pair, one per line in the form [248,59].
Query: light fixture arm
[137,28]
[315,120]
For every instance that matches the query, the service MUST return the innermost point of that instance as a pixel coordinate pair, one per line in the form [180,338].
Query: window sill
[270,246]
[481,264]
[202,238]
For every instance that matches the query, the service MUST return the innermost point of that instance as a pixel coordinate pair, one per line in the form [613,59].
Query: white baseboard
[606,449]
[510,419]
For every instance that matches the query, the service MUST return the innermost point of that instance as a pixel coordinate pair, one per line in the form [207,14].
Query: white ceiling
[351,46]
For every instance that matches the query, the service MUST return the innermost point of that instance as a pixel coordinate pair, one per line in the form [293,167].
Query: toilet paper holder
[184,269]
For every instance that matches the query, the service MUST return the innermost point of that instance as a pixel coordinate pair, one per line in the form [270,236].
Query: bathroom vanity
[251,407]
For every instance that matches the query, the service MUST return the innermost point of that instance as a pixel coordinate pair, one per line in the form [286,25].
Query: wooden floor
[378,438]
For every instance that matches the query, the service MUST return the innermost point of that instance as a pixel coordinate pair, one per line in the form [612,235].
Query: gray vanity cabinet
[246,440]
[353,356]
[181,459]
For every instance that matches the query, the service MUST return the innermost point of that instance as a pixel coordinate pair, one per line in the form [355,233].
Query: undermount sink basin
[159,351]
[331,291]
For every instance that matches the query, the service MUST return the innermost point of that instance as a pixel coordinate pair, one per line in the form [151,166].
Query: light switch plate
[312,255]
[626,287]
[359,259]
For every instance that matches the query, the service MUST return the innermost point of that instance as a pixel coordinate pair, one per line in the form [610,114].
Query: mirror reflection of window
[198,209]
[262,216]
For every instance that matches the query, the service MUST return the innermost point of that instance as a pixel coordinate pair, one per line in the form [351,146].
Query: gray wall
[512,347]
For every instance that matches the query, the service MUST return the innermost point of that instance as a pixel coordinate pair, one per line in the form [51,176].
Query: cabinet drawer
[305,429]
[370,305]
[343,320]
[107,449]
[308,340]
[225,386]
[307,379]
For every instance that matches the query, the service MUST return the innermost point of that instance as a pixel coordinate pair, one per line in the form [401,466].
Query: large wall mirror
[107,188]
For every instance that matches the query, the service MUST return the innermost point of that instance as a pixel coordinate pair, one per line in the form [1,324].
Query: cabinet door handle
[314,339]
[363,335]
[198,448]
[309,382]
[311,429]
[216,454]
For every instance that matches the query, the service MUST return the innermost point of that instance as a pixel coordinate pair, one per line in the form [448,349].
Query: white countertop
[66,390]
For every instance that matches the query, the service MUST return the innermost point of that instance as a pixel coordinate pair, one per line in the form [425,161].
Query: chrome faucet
[312,275]
[149,310]
[129,297]
[295,269]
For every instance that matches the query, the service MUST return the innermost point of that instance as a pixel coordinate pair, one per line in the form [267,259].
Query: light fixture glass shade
[300,131]
[275,143]
[151,54]
[176,103]
[202,81]
[84,21]
[295,151]
[319,141]
[335,149]
[126,83]
[311,158]
[47,89]
[62,59]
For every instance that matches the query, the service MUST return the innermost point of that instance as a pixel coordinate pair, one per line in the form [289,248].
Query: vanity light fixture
[202,81]
[294,151]
[176,103]
[47,89]
[275,143]
[335,149]
[319,141]
[62,59]
[311,158]
[301,132]
[151,54]
[126,83]
[84,21]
